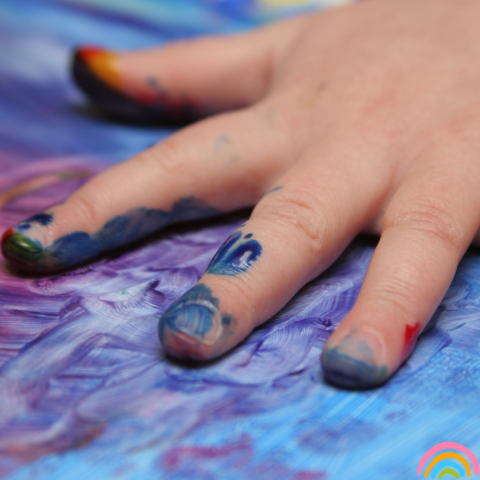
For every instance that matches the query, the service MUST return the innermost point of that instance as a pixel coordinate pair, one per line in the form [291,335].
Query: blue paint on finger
[274,189]
[235,255]
[41,218]
[352,363]
[78,247]
[197,315]
[192,314]
[347,371]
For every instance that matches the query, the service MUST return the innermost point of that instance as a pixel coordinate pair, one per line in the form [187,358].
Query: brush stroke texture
[85,390]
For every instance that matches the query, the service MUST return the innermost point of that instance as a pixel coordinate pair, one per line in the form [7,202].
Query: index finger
[215,166]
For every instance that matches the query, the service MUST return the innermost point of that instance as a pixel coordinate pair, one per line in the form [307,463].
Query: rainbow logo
[449,460]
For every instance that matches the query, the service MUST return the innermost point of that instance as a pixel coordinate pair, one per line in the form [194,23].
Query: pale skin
[368,118]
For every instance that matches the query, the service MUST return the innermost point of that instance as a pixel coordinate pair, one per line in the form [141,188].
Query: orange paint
[123,76]
[444,456]
[105,65]
[409,338]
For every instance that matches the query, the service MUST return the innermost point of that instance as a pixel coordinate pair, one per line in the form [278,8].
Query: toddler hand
[364,118]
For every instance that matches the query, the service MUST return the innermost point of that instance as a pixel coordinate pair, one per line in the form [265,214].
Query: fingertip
[100,74]
[27,246]
[21,251]
[349,372]
[181,346]
[193,326]
[97,73]
[105,65]
[355,362]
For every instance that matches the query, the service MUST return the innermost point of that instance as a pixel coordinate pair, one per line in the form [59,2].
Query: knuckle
[87,210]
[298,212]
[395,295]
[430,217]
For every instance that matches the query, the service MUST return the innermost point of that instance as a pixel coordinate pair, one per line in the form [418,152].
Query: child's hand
[364,118]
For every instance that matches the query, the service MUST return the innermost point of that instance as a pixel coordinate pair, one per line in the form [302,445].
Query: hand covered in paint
[364,118]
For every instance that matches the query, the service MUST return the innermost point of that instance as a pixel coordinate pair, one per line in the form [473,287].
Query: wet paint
[197,315]
[350,372]
[80,358]
[78,247]
[43,219]
[409,338]
[352,363]
[236,255]
[97,72]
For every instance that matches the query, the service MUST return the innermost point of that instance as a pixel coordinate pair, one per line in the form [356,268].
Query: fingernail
[104,64]
[356,361]
[195,318]
[23,244]
[98,73]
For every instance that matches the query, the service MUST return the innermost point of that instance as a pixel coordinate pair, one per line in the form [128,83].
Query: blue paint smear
[78,247]
[192,314]
[41,218]
[23,226]
[350,372]
[235,256]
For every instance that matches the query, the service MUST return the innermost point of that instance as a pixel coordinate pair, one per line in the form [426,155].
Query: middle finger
[295,232]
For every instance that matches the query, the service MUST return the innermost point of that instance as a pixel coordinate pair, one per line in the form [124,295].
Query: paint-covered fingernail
[356,361]
[97,73]
[23,244]
[104,64]
[102,75]
[195,318]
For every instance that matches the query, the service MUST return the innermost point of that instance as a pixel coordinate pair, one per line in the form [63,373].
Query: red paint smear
[178,457]
[310,476]
[6,236]
[239,453]
[410,337]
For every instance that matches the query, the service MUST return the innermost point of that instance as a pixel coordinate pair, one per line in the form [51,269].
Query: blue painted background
[85,391]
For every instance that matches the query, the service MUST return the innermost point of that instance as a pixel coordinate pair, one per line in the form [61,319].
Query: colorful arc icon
[459,463]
